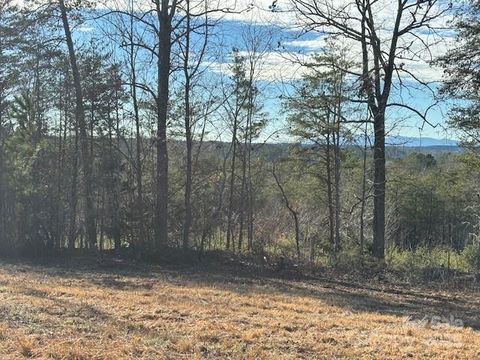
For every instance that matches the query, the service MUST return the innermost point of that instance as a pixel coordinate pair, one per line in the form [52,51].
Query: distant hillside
[273,151]
[399,152]
[420,142]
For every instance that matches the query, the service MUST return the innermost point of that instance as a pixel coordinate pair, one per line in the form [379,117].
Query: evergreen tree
[463,73]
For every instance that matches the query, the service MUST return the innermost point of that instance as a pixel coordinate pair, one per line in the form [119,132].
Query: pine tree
[463,73]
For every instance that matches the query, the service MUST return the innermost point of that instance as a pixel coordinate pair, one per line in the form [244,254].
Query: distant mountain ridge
[420,142]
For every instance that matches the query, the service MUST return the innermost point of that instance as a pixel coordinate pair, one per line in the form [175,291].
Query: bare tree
[5,7]
[291,209]
[383,46]
[165,12]
[235,113]
[132,53]
[363,199]
[191,71]
[159,23]
[81,123]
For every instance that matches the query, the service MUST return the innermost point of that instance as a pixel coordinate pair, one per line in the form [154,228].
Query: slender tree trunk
[188,183]
[37,102]
[139,172]
[188,136]
[312,251]
[337,155]
[138,137]
[364,193]
[232,184]
[72,233]
[217,217]
[3,234]
[245,196]
[60,176]
[80,116]
[243,192]
[248,157]
[163,69]
[379,187]
[102,221]
[113,181]
[250,196]
[337,188]
[92,129]
[2,184]
[292,211]
[331,206]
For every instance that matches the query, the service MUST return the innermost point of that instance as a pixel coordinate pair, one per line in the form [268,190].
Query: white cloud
[273,67]
[416,51]
[279,65]
[417,61]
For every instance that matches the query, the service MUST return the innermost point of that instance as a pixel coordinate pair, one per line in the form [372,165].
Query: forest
[239,179]
[140,129]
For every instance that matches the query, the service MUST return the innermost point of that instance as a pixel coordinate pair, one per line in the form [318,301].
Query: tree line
[134,141]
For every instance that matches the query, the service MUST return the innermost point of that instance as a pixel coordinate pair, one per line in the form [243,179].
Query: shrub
[424,258]
[471,253]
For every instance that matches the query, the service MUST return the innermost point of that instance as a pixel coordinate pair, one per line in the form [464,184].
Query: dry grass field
[128,312]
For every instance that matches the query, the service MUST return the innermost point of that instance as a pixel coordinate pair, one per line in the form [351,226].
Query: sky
[288,42]
[297,44]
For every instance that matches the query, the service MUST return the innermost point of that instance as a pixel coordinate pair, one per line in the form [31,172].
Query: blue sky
[279,72]
[291,42]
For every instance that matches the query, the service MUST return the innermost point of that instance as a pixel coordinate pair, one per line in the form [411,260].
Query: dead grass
[53,313]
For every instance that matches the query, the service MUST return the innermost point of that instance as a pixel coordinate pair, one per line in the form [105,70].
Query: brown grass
[53,313]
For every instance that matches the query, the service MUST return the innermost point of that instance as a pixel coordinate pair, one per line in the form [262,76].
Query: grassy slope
[155,313]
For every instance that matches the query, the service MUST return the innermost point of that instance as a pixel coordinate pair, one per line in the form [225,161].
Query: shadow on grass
[356,295]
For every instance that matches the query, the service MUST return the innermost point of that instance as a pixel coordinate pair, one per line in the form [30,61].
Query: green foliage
[27,154]
[471,253]
[463,74]
[433,199]
[430,201]
[422,258]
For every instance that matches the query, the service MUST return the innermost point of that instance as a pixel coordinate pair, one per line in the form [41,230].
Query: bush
[424,258]
[471,253]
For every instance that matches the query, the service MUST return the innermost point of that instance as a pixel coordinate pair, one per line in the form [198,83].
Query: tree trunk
[72,232]
[364,193]
[188,184]
[188,136]
[336,154]
[113,180]
[232,184]
[59,210]
[250,196]
[163,69]
[243,193]
[3,234]
[337,161]
[138,166]
[379,187]
[80,117]
[292,211]
[331,207]
[101,245]
[2,186]
[138,136]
